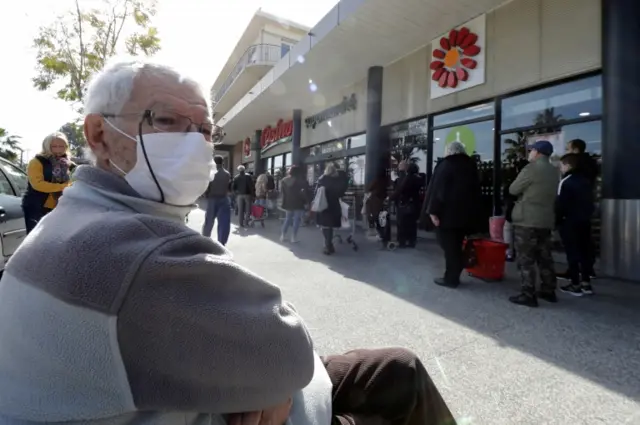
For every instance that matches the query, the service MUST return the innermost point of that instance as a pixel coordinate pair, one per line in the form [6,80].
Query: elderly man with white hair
[113,311]
[453,203]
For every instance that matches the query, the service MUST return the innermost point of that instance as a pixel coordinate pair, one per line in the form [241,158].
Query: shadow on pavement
[593,337]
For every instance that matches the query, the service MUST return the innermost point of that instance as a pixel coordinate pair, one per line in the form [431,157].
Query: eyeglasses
[171,122]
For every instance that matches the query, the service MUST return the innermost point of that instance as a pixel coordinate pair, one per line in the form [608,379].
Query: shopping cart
[384,220]
[258,213]
[348,221]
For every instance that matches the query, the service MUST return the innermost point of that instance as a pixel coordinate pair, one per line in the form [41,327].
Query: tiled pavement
[575,362]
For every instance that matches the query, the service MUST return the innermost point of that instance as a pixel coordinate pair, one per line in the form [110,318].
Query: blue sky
[197,37]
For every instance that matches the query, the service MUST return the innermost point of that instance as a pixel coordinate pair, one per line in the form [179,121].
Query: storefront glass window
[357,141]
[357,170]
[335,146]
[466,114]
[412,128]
[553,105]
[315,150]
[277,163]
[477,138]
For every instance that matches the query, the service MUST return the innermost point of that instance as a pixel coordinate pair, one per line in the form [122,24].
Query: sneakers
[572,289]
[525,300]
[586,289]
[549,297]
[293,239]
[282,237]
[565,275]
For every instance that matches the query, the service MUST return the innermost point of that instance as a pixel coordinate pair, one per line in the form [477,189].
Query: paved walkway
[575,362]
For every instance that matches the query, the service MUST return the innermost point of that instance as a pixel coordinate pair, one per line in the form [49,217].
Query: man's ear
[94,134]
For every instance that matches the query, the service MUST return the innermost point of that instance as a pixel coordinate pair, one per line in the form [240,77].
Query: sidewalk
[575,362]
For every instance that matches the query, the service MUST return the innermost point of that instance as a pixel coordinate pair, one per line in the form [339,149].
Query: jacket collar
[92,183]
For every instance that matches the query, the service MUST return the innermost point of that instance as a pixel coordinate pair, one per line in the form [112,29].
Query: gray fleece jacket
[112,311]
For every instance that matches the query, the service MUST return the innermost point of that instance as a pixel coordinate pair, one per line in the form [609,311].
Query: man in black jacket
[574,207]
[588,168]
[243,189]
[453,204]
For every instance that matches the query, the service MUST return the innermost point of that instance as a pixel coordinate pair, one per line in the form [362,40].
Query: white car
[13,184]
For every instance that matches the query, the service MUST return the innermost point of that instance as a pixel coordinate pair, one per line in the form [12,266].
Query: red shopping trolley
[257,214]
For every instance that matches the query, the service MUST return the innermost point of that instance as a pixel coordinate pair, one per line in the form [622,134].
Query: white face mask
[181,163]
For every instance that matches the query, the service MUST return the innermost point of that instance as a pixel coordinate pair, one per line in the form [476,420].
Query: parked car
[13,184]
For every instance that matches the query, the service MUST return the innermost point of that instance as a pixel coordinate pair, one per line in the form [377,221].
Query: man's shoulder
[86,258]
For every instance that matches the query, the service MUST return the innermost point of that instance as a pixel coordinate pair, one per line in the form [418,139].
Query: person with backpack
[574,207]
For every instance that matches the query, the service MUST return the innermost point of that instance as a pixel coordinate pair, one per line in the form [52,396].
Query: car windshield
[17,176]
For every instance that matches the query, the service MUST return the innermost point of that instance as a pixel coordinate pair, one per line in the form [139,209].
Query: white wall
[529,42]
[343,125]
[274,34]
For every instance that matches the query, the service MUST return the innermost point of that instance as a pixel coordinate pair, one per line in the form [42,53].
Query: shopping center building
[378,81]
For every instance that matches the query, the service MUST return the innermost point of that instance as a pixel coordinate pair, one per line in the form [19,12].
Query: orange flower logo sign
[454,59]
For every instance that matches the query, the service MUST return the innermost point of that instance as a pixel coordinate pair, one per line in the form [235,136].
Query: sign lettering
[348,104]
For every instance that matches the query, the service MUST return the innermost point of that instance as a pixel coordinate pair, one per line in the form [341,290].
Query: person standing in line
[243,189]
[49,173]
[375,205]
[533,219]
[587,167]
[453,203]
[295,195]
[407,194]
[331,217]
[262,189]
[574,207]
[218,203]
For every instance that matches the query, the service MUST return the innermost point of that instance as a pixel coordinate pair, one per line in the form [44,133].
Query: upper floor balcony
[256,61]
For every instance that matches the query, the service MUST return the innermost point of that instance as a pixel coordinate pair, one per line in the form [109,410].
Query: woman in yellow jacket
[49,173]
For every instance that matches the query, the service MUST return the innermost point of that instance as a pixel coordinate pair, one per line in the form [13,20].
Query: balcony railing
[258,54]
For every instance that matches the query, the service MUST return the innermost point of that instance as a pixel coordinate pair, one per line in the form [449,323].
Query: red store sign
[271,135]
[246,147]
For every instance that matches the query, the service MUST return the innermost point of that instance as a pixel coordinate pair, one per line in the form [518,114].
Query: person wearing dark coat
[453,204]
[377,191]
[331,217]
[406,195]
[295,196]
[588,168]
[573,210]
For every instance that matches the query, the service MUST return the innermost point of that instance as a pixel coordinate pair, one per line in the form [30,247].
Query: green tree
[9,146]
[79,43]
[549,118]
[75,136]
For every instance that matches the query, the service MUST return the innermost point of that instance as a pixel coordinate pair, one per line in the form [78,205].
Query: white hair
[46,143]
[241,168]
[330,170]
[454,148]
[110,89]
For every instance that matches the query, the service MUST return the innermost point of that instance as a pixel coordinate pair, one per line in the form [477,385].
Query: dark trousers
[384,387]
[407,222]
[576,239]
[327,233]
[450,241]
[534,249]
[244,208]
[218,208]
[33,215]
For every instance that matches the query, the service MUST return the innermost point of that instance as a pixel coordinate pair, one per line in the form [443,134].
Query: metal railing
[258,54]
